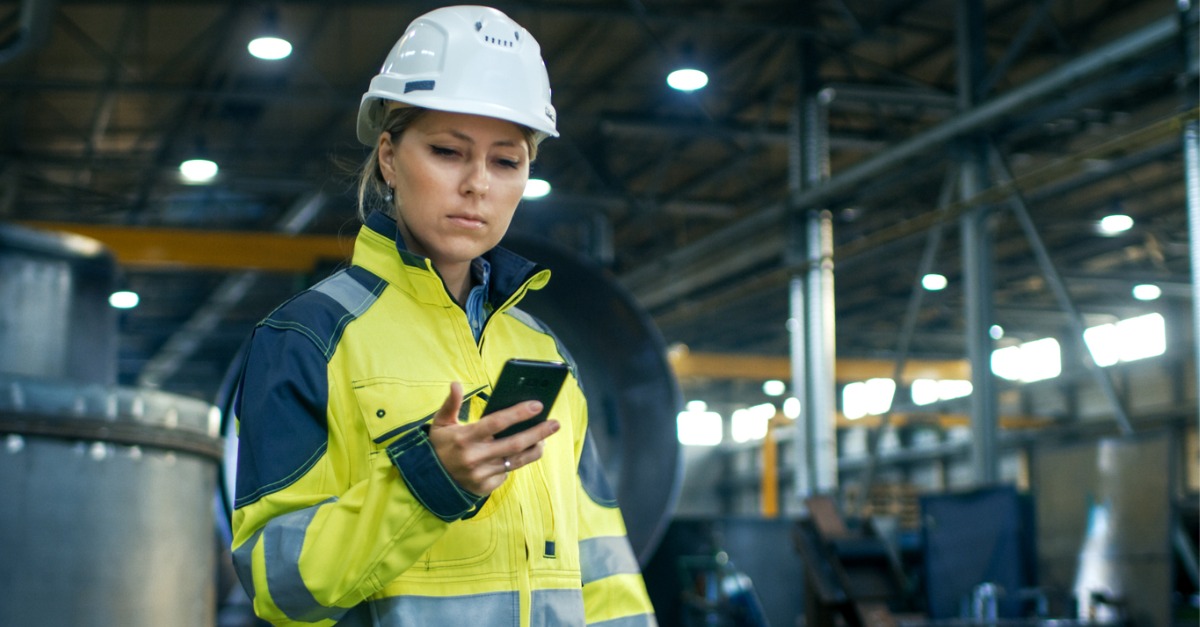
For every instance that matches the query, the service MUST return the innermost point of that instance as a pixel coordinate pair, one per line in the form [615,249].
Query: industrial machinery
[107,490]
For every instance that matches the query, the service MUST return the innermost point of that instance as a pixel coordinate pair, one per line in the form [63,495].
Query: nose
[477,181]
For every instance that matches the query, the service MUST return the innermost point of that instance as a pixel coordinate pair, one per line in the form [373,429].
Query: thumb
[447,415]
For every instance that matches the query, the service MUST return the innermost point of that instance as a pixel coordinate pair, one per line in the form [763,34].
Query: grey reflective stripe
[638,620]
[537,325]
[348,293]
[551,608]
[282,540]
[502,609]
[606,556]
[243,563]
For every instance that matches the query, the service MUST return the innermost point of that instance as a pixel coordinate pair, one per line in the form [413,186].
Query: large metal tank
[107,492]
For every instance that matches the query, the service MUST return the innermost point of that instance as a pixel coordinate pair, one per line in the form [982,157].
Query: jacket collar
[380,249]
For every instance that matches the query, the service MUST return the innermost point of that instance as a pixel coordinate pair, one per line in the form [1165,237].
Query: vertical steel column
[822,352]
[811,295]
[977,250]
[1189,17]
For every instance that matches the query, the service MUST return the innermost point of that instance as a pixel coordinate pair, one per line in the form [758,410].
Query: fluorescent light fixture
[687,79]
[870,397]
[123,299]
[1127,340]
[1116,223]
[1028,362]
[198,170]
[1147,291]
[791,407]
[536,188]
[699,428]
[697,406]
[751,423]
[934,282]
[774,387]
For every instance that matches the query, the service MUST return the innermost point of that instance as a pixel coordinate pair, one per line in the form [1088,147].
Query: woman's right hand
[475,459]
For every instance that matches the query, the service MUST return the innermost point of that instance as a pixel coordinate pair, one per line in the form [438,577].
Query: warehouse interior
[889,323]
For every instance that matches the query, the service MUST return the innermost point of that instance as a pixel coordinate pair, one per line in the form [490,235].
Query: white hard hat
[463,59]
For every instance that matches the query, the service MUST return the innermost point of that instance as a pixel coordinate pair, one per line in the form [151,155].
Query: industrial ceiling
[1071,110]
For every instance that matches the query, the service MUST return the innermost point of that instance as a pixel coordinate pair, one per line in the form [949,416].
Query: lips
[467,221]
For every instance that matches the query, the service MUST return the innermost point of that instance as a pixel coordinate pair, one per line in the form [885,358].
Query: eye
[512,164]
[442,151]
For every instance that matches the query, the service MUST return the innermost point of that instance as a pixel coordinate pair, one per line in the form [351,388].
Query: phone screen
[526,380]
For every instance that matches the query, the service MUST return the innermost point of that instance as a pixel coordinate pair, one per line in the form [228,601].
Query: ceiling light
[687,79]
[536,188]
[198,170]
[996,331]
[934,282]
[1116,223]
[774,387]
[791,407]
[123,299]
[1147,291]
[269,45]
[269,48]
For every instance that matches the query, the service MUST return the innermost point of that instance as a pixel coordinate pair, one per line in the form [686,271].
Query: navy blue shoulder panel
[322,312]
[283,394]
[536,324]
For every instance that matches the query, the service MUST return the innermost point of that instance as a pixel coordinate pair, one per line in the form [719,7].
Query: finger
[447,415]
[525,457]
[500,420]
[516,444]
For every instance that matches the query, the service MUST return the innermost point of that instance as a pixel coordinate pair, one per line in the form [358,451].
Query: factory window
[751,423]
[926,391]
[698,427]
[1031,361]
[1127,340]
[870,397]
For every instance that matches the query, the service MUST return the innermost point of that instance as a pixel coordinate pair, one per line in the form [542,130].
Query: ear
[385,152]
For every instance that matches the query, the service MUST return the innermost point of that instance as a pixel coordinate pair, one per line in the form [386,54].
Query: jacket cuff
[419,466]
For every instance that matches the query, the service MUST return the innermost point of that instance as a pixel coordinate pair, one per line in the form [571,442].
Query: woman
[370,488]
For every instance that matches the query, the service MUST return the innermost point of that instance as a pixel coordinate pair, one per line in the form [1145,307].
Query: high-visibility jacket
[343,513]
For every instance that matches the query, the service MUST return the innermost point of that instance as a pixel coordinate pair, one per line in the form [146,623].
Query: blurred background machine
[107,491]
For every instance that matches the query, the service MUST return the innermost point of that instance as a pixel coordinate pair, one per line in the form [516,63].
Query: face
[457,180]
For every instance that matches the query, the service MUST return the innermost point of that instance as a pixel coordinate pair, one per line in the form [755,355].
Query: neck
[458,280]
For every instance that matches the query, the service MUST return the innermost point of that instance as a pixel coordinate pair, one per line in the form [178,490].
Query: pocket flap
[390,406]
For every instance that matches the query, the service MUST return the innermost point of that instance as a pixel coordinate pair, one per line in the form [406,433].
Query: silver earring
[389,197]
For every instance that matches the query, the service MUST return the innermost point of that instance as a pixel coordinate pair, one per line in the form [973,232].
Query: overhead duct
[107,491]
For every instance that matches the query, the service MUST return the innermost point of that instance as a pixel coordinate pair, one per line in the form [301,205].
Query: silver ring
[507,465]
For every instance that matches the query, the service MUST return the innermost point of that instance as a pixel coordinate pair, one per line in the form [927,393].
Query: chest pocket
[390,406]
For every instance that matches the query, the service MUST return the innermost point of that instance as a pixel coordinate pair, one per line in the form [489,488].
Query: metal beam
[687,365]
[710,249]
[149,248]
[184,342]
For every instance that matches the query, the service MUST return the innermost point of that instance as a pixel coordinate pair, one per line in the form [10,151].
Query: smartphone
[526,380]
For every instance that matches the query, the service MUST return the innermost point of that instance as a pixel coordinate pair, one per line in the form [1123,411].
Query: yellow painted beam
[165,248]
[943,421]
[762,367]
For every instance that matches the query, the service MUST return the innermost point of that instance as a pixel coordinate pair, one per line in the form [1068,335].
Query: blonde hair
[373,190]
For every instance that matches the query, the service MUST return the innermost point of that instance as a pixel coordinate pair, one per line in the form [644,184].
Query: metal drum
[107,492]
[54,315]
